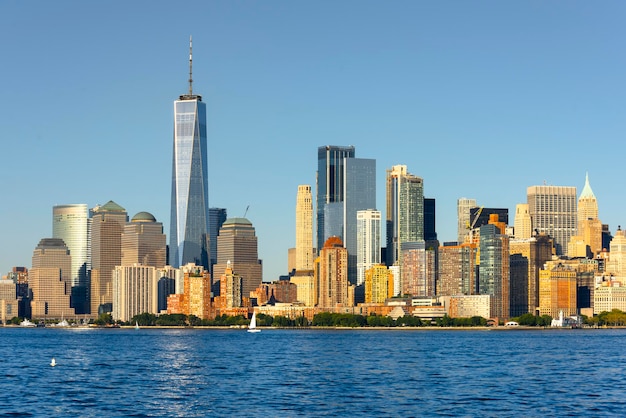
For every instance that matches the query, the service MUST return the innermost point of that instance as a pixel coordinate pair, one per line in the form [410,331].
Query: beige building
[143,242]
[523,225]
[589,226]
[616,264]
[378,284]
[50,280]
[306,287]
[196,296]
[463,206]
[230,289]
[467,306]
[304,228]
[107,225]
[135,291]
[557,290]
[237,244]
[8,301]
[609,297]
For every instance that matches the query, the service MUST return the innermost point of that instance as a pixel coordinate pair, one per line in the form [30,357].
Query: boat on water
[252,327]
[63,323]
[136,325]
[27,323]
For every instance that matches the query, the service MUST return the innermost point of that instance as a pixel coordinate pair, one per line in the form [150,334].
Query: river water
[289,373]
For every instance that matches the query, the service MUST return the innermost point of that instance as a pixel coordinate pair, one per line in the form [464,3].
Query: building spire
[190,67]
[587,193]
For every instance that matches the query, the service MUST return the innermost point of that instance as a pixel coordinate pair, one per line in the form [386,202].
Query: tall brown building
[106,252]
[527,258]
[333,275]
[237,244]
[457,270]
[50,279]
[143,242]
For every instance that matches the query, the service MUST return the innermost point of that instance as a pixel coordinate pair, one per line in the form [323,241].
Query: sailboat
[136,325]
[252,327]
[53,362]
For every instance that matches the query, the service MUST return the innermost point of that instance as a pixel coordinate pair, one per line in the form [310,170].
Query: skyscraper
[523,225]
[107,224]
[217,217]
[330,189]
[69,223]
[237,248]
[304,228]
[333,275]
[189,209]
[553,212]
[368,242]
[463,206]
[50,279]
[493,276]
[405,212]
[589,226]
[345,186]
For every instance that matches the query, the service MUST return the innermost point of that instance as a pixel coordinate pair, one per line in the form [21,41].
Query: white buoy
[53,362]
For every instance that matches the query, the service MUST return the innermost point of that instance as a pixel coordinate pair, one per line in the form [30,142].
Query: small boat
[136,325]
[252,327]
[53,362]
[27,323]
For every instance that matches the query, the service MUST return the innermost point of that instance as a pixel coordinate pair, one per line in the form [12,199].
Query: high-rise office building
[50,279]
[557,290]
[143,241]
[553,211]
[190,195]
[493,272]
[237,248]
[217,217]
[378,284]
[463,206]
[330,190]
[589,226]
[430,230]
[405,215]
[345,185]
[107,225]
[69,223]
[304,228]
[523,224]
[368,241]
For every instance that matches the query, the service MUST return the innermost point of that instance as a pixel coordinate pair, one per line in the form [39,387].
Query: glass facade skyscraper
[189,209]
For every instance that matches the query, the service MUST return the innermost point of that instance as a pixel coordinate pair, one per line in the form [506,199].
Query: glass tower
[189,210]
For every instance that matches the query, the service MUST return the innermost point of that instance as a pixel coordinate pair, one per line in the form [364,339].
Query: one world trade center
[189,210]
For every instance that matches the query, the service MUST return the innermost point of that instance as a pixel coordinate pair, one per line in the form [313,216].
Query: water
[289,373]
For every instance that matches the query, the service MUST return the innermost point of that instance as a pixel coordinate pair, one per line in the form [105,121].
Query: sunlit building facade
[304,228]
[368,241]
[553,211]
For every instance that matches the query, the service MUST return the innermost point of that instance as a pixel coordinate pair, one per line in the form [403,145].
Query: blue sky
[482,99]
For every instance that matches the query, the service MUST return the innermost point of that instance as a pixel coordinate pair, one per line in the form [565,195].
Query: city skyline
[473,101]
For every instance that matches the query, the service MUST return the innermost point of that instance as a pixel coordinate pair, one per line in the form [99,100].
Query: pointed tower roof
[587,193]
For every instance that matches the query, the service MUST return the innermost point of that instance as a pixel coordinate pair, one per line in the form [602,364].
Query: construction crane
[467,224]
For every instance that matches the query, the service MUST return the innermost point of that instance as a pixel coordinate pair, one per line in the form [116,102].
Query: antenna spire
[190,67]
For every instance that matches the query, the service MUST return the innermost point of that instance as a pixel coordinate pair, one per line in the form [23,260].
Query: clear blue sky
[482,99]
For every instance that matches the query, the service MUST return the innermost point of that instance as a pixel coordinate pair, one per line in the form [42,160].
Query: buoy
[53,362]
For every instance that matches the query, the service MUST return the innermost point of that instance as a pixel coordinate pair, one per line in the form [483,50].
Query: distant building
[463,207]
[457,270]
[523,224]
[304,228]
[237,244]
[378,284]
[190,194]
[70,223]
[332,272]
[368,241]
[196,296]
[107,225]
[589,226]
[527,258]
[8,301]
[50,279]
[467,306]
[306,287]
[217,217]
[493,276]
[430,227]
[557,291]
[553,212]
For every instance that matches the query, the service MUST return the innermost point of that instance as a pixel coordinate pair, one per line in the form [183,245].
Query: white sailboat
[136,325]
[53,362]
[252,327]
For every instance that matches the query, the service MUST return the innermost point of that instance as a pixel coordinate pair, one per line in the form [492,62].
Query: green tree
[104,319]
[283,321]
[527,319]
[144,319]
[264,320]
